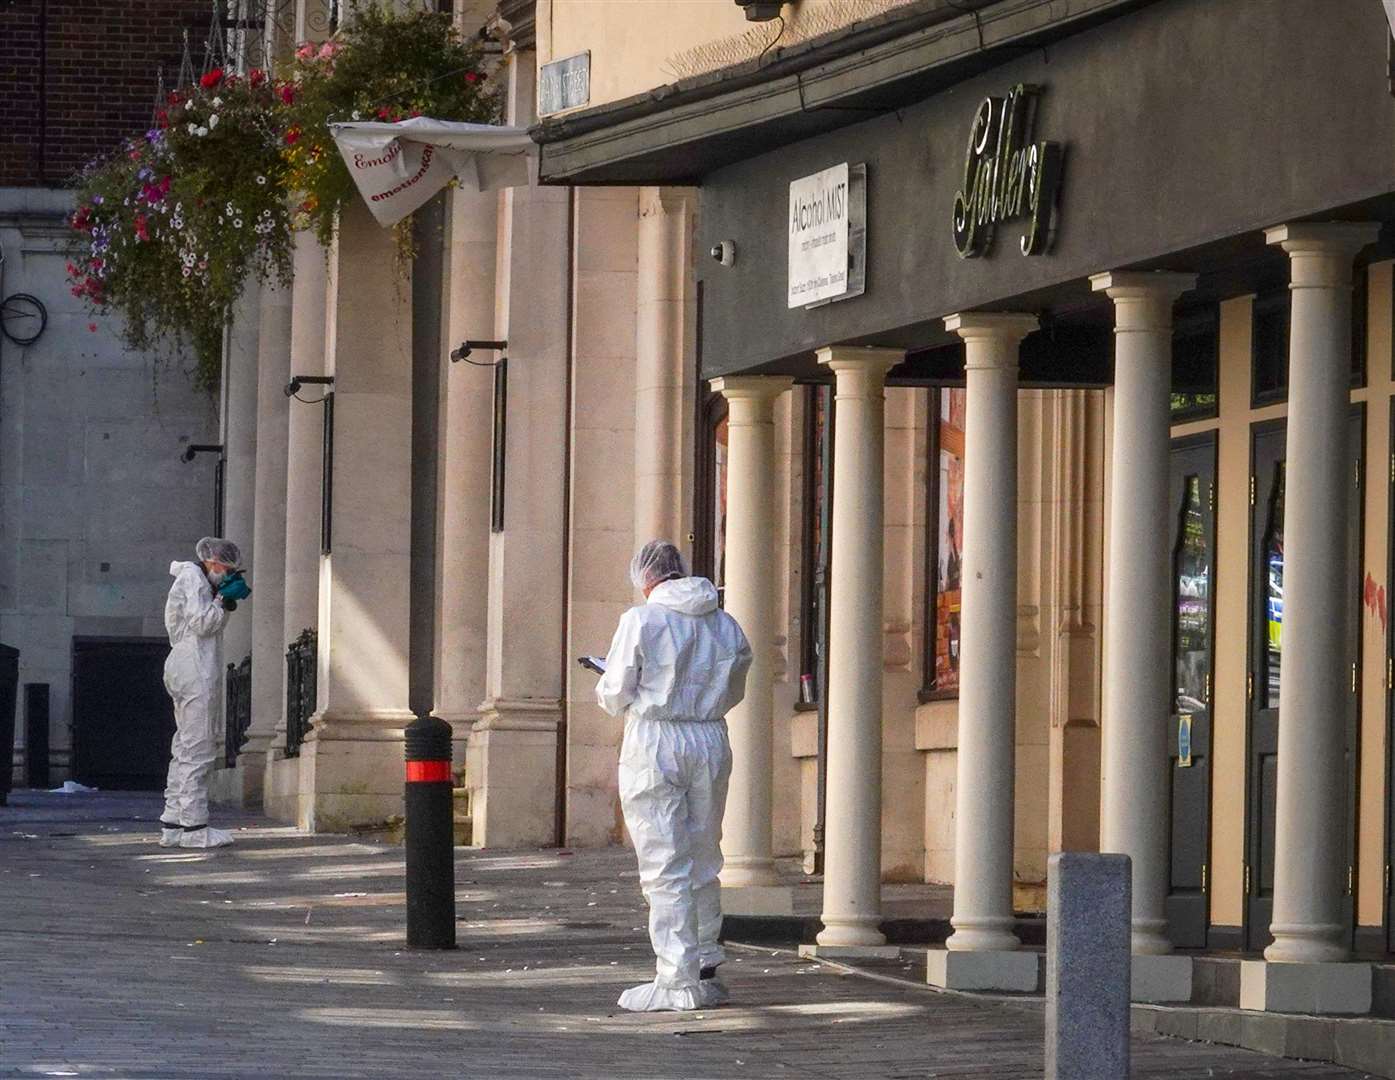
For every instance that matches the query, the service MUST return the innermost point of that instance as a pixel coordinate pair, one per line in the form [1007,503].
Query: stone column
[299,608]
[462,608]
[240,455]
[351,762]
[1310,849]
[852,882]
[981,953]
[750,599]
[662,338]
[269,540]
[1138,621]
[517,733]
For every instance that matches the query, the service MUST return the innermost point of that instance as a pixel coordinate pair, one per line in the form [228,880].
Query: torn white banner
[398,167]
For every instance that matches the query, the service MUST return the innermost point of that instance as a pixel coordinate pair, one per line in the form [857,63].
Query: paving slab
[284,957]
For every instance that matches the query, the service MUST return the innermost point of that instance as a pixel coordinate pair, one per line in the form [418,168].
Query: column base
[510,742]
[856,931]
[850,952]
[1323,989]
[281,787]
[1016,971]
[757,899]
[240,786]
[1155,979]
[352,771]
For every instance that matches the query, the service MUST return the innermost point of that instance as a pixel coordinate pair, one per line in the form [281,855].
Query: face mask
[216,577]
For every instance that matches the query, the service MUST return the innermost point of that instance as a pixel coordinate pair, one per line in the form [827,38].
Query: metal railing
[300,690]
[239,712]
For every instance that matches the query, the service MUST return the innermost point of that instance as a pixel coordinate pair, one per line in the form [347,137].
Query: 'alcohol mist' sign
[818,236]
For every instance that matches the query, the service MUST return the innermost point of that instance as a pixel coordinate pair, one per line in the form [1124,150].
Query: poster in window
[950,539]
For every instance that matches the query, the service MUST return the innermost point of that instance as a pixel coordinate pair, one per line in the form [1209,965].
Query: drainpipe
[561,805]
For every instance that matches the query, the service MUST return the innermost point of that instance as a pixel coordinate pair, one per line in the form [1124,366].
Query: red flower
[174,99]
[287,93]
[256,76]
[141,230]
[162,118]
[92,327]
[293,136]
[212,79]
[83,218]
[472,76]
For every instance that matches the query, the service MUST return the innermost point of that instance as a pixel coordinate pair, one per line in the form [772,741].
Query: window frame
[929,691]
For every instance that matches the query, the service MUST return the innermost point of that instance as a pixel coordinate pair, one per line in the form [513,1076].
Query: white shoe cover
[651,997]
[171,837]
[207,837]
[714,992]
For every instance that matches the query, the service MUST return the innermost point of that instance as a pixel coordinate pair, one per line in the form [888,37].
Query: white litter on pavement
[71,787]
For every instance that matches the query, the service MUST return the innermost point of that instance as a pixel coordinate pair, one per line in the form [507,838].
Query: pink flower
[327,50]
[306,51]
[472,76]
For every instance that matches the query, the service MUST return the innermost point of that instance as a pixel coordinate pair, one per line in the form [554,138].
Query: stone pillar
[517,733]
[351,762]
[240,456]
[1308,925]
[1138,621]
[852,884]
[662,362]
[269,541]
[750,599]
[299,609]
[982,952]
[462,608]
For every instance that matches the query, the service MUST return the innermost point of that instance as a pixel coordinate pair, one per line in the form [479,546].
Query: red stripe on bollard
[428,772]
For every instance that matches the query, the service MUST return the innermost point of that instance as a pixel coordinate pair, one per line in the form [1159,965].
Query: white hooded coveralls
[676,666]
[193,619]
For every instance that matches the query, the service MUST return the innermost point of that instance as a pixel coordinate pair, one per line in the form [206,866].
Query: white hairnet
[656,561]
[214,549]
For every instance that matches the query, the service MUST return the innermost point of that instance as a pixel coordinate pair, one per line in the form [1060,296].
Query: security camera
[725,252]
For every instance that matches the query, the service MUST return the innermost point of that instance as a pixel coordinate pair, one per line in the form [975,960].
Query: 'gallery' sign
[818,236]
[1007,176]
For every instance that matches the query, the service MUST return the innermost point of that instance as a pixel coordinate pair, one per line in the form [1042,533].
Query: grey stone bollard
[1088,900]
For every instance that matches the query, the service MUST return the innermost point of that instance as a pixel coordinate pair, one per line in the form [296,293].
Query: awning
[398,167]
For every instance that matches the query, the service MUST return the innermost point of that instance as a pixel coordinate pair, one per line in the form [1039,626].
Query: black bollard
[430,836]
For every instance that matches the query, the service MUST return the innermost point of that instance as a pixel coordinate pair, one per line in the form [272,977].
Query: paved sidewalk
[283,957]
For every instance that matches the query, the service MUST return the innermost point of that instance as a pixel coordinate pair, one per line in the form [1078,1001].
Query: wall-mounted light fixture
[192,451]
[327,463]
[760,12]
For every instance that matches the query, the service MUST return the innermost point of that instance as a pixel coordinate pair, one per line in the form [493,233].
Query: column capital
[1142,284]
[860,357]
[666,200]
[1336,238]
[751,387]
[1001,325]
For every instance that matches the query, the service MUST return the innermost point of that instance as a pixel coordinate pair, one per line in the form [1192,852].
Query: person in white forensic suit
[676,666]
[194,618]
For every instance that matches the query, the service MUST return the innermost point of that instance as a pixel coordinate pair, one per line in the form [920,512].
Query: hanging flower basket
[174,224]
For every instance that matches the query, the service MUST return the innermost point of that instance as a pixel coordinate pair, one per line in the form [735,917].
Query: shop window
[1269,348]
[1274,591]
[1192,618]
[1195,367]
[710,494]
[944,544]
[1269,341]
[815,543]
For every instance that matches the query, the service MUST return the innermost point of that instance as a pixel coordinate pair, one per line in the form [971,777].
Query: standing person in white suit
[194,616]
[676,666]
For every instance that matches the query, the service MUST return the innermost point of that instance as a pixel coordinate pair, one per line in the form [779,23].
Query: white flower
[261,180]
[213,121]
[187,272]
[189,104]
[237,223]
[201,132]
[356,114]
[217,102]
[193,129]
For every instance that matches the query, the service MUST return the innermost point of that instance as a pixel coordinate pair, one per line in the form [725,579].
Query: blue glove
[235,587]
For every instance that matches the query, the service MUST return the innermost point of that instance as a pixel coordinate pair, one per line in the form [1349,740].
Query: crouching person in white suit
[676,666]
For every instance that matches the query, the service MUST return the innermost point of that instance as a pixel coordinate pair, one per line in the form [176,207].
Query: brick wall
[78,75]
